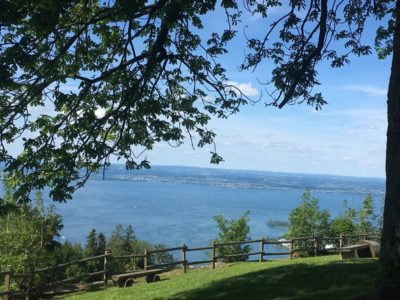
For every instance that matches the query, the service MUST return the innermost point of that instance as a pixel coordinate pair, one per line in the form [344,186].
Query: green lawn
[309,278]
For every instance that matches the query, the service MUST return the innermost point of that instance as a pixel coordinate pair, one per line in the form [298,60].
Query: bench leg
[121,283]
[152,278]
[129,282]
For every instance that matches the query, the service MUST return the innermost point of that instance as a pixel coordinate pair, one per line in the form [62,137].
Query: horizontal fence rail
[310,245]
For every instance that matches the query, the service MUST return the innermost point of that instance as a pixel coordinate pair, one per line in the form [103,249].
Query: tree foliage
[310,32]
[345,223]
[308,219]
[367,218]
[124,242]
[28,237]
[28,234]
[116,77]
[233,230]
[363,220]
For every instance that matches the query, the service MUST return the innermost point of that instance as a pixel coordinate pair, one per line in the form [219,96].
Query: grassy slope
[310,278]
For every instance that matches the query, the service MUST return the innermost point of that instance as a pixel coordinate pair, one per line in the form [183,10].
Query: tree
[345,223]
[91,248]
[367,219]
[122,242]
[66,253]
[160,257]
[233,230]
[28,235]
[140,75]
[101,243]
[307,220]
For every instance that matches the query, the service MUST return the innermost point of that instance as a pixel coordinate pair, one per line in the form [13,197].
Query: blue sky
[347,137]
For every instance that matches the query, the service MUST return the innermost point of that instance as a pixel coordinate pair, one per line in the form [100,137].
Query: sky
[347,137]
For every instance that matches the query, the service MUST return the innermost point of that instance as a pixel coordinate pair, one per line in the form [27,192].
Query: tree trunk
[390,249]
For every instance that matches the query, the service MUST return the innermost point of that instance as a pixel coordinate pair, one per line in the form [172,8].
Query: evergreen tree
[116,241]
[101,243]
[101,248]
[367,219]
[122,242]
[129,239]
[91,248]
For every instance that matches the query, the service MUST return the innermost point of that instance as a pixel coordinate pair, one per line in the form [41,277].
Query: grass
[309,278]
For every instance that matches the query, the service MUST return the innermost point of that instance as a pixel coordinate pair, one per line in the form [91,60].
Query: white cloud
[246,88]
[370,90]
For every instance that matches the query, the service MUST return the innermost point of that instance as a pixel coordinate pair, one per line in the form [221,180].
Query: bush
[233,230]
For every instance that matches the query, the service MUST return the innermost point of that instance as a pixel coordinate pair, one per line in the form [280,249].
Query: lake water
[175,205]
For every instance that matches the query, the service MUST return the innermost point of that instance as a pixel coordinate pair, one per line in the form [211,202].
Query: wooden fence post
[105,268]
[146,259]
[184,258]
[7,281]
[315,246]
[213,254]
[261,250]
[341,240]
[291,248]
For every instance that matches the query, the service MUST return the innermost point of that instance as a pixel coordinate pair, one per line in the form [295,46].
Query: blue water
[175,205]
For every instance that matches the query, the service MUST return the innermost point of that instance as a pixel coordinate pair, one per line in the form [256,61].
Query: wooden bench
[355,251]
[126,279]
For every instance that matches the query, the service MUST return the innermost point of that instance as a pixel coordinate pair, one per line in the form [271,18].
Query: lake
[175,205]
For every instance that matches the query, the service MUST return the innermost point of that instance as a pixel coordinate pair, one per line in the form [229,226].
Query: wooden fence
[318,245]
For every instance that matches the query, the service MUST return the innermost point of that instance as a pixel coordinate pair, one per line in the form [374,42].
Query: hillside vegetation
[325,277]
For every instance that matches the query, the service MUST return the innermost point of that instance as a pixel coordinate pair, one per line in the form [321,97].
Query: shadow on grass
[336,280]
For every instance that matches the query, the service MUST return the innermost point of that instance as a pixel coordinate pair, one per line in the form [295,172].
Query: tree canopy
[119,76]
